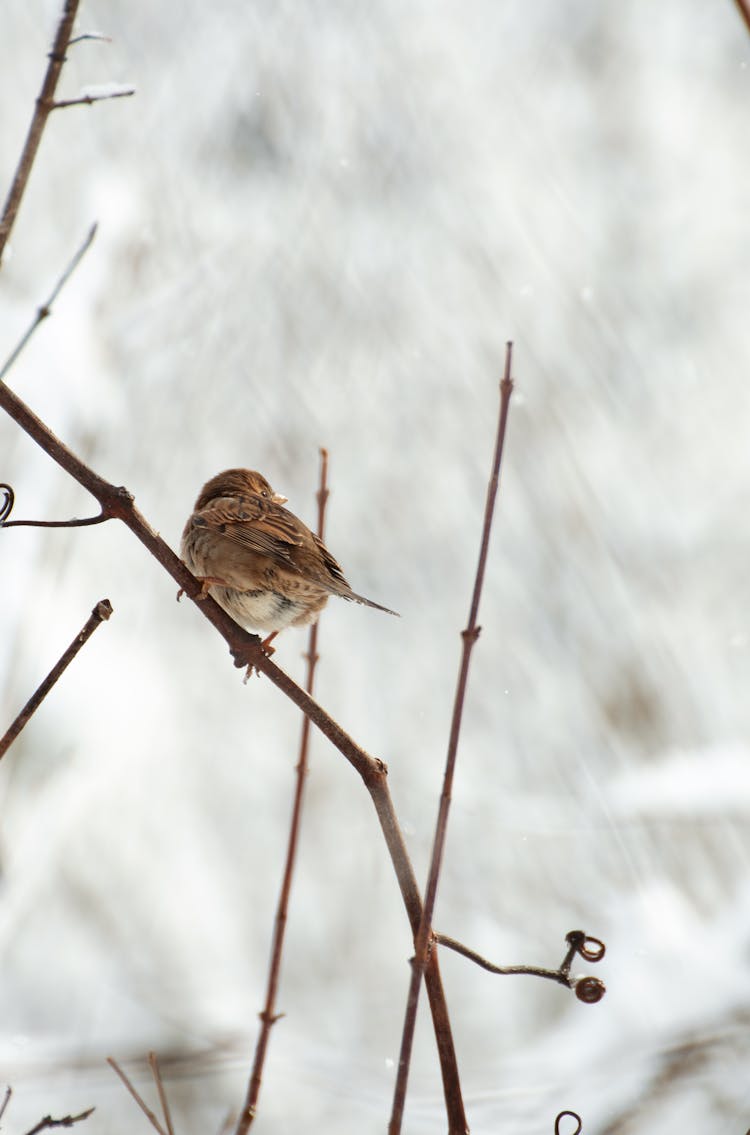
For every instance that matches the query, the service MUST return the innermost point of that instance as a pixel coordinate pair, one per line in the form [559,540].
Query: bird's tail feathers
[369,603]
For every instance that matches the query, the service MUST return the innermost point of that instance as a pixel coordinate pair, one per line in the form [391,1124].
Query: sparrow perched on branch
[259,561]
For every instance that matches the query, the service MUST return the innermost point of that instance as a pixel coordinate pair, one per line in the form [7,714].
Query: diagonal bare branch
[46,308]
[39,118]
[100,613]
[66,1121]
[6,1100]
[138,1099]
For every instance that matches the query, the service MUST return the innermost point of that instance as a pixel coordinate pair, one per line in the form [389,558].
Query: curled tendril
[586,989]
[9,499]
[589,990]
[6,507]
[569,1115]
[592,949]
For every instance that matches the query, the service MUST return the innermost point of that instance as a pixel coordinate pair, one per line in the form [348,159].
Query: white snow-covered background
[319,224]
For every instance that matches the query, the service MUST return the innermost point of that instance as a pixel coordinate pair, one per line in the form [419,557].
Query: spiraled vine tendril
[569,1115]
[7,505]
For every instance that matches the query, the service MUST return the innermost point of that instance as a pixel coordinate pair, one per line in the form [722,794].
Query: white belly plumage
[259,610]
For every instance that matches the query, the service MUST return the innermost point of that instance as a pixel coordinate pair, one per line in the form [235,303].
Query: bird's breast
[263,610]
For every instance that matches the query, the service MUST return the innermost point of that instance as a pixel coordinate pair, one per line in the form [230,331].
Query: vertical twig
[469,636]
[155,1072]
[268,1016]
[138,1099]
[42,108]
[100,613]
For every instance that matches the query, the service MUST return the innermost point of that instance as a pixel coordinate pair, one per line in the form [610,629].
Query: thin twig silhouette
[89,100]
[153,1064]
[138,1099]
[423,939]
[65,1121]
[100,614]
[45,309]
[268,1016]
[6,1100]
[42,108]
[588,989]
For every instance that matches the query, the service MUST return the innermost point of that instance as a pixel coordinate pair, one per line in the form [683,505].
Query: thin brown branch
[89,35]
[46,308]
[268,1016]
[588,989]
[246,650]
[743,8]
[6,1100]
[138,1099]
[423,940]
[66,1121]
[100,613]
[75,522]
[89,100]
[39,118]
[154,1066]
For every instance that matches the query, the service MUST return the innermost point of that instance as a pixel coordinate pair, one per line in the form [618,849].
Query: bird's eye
[264,493]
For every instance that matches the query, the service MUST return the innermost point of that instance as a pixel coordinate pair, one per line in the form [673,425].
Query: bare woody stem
[46,308]
[587,989]
[89,100]
[6,1100]
[100,613]
[44,104]
[117,503]
[268,1016]
[66,1121]
[138,1099]
[424,951]
[153,1064]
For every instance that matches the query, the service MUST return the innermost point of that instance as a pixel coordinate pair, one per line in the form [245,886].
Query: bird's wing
[253,522]
[268,529]
[337,581]
[337,584]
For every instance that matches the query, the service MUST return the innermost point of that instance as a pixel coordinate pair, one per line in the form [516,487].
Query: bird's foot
[206,582]
[266,647]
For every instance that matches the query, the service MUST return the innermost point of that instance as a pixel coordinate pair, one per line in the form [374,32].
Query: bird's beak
[277,498]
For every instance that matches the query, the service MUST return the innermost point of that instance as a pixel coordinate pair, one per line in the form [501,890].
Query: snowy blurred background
[319,224]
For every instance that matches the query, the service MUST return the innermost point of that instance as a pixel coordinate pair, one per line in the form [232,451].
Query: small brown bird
[259,561]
